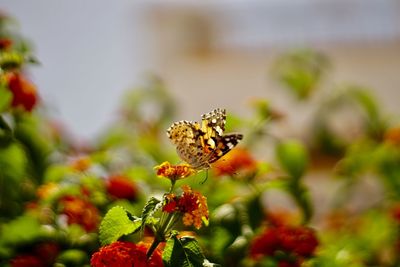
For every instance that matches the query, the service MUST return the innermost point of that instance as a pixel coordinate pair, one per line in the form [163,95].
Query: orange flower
[392,136]
[174,172]
[192,204]
[46,190]
[79,211]
[239,159]
[24,92]
[81,164]
[123,253]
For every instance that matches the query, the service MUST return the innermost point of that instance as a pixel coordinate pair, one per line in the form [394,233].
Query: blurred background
[209,53]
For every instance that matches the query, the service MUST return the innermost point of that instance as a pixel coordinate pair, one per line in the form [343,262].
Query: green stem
[173,182]
[165,223]
[153,247]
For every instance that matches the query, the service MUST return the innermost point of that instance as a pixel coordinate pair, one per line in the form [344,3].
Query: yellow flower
[174,172]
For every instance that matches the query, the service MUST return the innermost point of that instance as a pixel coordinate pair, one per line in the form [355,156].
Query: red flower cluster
[5,43]
[80,211]
[297,243]
[191,203]
[237,160]
[119,254]
[43,255]
[24,92]
[121,187]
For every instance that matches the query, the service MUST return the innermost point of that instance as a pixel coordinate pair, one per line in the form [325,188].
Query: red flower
[48,252]
[120,254]
[297,241]
[300,240]
[79,211]
[5,43]
[238,159]
[121,187]
[289,264]
[171,202]
[42,255]
[27,260]
[265,244]
[24,92]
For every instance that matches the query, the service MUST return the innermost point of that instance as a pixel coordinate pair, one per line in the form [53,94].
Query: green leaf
[115,224]
[148,210]
[73,257]
[183,251]
[293,157]
[22,230]
[37,147]
[5,98]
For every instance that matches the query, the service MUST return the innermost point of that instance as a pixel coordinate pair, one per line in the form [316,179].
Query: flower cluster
[80,211]
[174,172]
[237,160]
[122,253]
[192,204]
[295,243]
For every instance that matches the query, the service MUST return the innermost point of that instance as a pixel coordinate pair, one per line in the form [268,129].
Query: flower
[48,252]
[24,92]
[27,260]
[122,253]
[238,159]
[81,164]
[121,187]
[300,242]
[43,254]
[5,43]
[192,204]
[46,190]
[80,211]
[174,172]
[392,136]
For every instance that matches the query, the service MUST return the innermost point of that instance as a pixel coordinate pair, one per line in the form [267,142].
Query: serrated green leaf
[148,210]
[184,251]
[115,224]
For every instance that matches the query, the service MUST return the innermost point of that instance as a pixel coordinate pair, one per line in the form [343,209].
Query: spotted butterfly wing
[200,145]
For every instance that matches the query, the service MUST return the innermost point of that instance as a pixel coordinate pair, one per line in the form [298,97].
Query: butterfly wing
[213,121]
[224,145]
[189,141]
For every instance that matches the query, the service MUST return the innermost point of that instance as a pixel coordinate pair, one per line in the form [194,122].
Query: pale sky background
[91,51]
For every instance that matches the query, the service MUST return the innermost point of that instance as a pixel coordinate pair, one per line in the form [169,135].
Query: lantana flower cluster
[192,204]
[174,172]
[122,253]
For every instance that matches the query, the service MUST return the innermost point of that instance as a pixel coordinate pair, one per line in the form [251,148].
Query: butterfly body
[201,144]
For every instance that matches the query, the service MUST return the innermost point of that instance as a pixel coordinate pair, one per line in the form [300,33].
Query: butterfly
[201,144]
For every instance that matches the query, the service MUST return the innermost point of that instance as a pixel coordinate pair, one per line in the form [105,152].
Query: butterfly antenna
[206,177]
